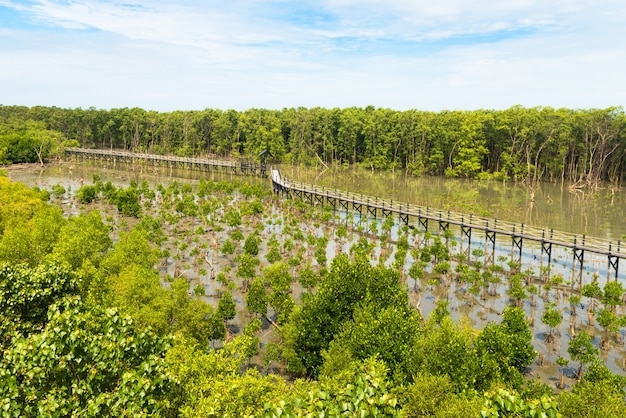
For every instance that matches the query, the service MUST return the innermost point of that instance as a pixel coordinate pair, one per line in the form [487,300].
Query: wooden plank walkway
[579,244]
[172,160]
[373,206]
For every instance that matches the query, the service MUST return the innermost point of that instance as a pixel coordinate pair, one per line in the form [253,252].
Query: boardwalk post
[613,261]
[423,220]
[546,247]
[467,231]
[490,237]
[579,256]
[517,243]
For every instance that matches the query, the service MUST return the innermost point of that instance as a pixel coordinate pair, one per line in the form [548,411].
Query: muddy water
[600,213]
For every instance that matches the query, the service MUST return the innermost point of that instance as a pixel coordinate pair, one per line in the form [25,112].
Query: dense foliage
[90,327]
[524,144]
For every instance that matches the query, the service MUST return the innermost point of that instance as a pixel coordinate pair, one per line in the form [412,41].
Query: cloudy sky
[401,54]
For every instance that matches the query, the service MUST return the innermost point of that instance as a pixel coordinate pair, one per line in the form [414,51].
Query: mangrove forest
[582,147]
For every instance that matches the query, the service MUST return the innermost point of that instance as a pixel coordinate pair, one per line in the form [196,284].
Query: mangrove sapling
[223,280]
[486,277]
[448,235]
[273,255]
[416,272]
[246,269]
[199,290]
[473,290]
[494,279]
[516,290]
[582,350]
[226,308]
[165,254]
[427,236]
[341,232]
[462,258]
[439,251]
[273,353]
[443,269]
[288,246]
[552,318]
[400,258]
[562,363]
[547,287]
[533,290]
[308,278]
[610,323]
[373,228]
[514,267]
[592,291]
[612,295]
[574,300]
[208,260]
[386,227]
[478,252]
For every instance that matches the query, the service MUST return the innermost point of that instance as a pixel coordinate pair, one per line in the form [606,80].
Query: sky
[233,54]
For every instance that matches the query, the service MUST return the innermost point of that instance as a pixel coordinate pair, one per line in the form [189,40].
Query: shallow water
[598,213]
[603,210]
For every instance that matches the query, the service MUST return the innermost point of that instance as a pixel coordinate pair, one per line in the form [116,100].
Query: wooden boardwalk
[407,214]
[205,164]
[423,216]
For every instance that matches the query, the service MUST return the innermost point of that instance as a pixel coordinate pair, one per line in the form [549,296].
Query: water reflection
[599,213]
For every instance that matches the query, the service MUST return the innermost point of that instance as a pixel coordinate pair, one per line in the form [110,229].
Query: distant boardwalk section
[205,164]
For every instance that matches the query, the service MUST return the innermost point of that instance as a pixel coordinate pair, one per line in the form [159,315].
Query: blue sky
[232,54]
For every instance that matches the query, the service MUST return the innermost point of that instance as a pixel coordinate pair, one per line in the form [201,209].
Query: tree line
[580,146]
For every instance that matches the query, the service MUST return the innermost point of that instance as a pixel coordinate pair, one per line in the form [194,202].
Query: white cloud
[239,54]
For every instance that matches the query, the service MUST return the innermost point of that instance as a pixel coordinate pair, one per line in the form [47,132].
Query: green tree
[87,194]
[582,350]
[610,322]
[612,296]
[388,333]
[279,280]
[227,247]
[17,203]
[132,248]
[503,402]
[84,237]
[127,201]
[434,395]
[27,293]
[321,317]
[599,393]
[447,349]
[592,291]
[81,362]
[137,292]
[552,318]
[251,245]
[31,240]
[506,349]
[226,307]
[193,318]
[366,394]
[256,298]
